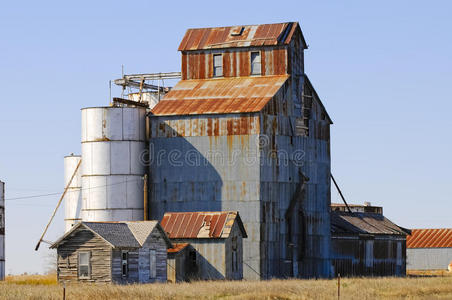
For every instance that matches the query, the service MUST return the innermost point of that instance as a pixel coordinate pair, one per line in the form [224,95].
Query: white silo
[2,230]
[73,197]
[113,146]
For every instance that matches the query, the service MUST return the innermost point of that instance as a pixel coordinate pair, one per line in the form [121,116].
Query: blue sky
[383,70]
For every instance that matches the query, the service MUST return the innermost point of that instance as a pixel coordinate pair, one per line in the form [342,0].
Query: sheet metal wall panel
[236,62]
[428,258]
[350,255]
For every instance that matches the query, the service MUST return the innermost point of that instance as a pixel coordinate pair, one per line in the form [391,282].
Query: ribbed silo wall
[113,163]
[209,163]
[73,197]
[2,230]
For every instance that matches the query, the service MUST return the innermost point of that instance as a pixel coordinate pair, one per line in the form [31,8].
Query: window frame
[255,63]
[125,262]
[79,265]
[152,263]
[215,74]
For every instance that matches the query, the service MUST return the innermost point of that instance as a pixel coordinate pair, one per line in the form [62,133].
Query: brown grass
[34,287]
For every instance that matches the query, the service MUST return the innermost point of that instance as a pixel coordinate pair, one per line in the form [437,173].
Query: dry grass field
[46,287]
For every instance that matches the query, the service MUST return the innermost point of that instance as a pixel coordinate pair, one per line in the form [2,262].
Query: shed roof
[119,234]
[430,238]
[240,36]
[219,95]
[178,247]
[363,223]
[193,225]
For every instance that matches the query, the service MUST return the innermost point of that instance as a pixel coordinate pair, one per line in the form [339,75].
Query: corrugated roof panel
[189,224]
[363,223]
[227,37]
[222,95]
[430,238]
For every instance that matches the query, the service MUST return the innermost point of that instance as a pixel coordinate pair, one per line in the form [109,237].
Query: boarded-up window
[152,264]
[255,63]
[125,263]
[84,265]
[217,65]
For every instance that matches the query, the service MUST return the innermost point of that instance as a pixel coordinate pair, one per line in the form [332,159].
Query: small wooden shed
[216,244]
[113,252]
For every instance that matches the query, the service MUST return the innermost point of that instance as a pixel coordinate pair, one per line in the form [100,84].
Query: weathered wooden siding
[368,256]
[236,62]
[84,240]
[139,261]
[234,241]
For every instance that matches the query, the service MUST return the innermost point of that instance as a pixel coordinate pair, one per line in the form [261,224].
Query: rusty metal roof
[239,36]
[192,225]
[430,238]
[219,95]
[363,223]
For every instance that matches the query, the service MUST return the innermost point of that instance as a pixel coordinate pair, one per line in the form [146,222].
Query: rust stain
[244,68]
[227,64]
[225,95]
[234,64]
[184,66]
[263,70]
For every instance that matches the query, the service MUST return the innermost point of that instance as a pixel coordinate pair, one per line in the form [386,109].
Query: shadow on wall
[182,178]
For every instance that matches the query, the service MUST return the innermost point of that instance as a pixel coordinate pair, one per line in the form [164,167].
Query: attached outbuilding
[429,249]
[216,245]
[367,244]
[113,252]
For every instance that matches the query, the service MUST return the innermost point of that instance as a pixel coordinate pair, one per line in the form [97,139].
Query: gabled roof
[363,223]
[119,234]
[430,238]
[240,36]
[219,95]
[193,225]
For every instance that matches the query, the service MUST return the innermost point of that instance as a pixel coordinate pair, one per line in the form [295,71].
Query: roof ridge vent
[237,30]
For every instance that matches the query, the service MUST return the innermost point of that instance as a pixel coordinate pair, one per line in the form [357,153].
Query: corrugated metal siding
[430,238]
[236,62]
[428,258]
[250,35]
[368,256]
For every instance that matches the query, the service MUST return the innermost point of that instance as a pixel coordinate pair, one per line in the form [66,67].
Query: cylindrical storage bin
[113,165]
[73,197]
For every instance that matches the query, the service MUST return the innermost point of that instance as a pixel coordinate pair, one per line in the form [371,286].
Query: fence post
[339,286]
[64,291]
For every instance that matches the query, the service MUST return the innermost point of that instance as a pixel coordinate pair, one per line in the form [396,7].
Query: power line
[59,193]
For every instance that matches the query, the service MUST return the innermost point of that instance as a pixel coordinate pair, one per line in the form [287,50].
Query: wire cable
[59,193]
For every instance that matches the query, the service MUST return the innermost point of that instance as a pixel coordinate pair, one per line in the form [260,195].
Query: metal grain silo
[113,147]
[2,230]
[73,197]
